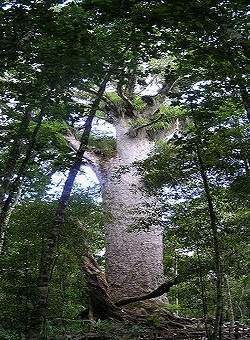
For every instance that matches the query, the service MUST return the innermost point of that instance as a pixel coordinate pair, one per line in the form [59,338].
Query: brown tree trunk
[101,305]
[134,258]
[49,254]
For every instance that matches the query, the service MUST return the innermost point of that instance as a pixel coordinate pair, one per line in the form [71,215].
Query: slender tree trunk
[14,155]
[176,274]
[245,99]
[229,302]
[216,246]
[134,259]
[203,293]
[15,186]
[49,254]
[6,222]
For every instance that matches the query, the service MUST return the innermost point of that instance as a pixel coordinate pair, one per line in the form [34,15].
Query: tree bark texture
[134,259]
[101,305]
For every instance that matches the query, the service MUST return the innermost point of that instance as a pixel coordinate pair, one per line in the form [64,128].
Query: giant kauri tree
[170,77]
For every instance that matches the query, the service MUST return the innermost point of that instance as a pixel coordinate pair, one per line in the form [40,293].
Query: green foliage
[159,66]
[51,135]
[171,113]
[154,320]
[114,97]
[138,103]
[172,307]
[138,122]
[174,170]
[19,267]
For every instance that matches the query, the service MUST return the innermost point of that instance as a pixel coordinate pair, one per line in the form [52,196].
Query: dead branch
[162,289]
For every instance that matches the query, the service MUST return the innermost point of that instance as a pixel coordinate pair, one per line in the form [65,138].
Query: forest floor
[169,334]
[120,330]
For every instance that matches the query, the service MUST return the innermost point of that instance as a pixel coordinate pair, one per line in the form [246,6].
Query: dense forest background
[175,74]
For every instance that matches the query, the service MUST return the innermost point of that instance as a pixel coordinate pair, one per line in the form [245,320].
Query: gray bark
[134,259]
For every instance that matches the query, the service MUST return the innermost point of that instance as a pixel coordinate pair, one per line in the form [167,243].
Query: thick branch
[167,87]
[158,99]
[74,144]
[89,157]
[146,85]
[101,305]
[162,289]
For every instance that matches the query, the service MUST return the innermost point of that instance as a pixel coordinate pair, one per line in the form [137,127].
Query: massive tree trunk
[134,240]
[134,263]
